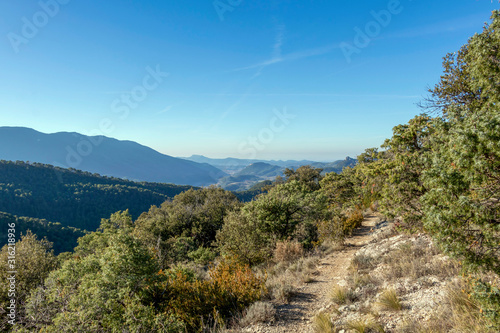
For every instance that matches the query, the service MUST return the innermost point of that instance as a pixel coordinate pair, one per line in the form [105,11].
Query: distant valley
[245,174]
[62,184]
[135,162]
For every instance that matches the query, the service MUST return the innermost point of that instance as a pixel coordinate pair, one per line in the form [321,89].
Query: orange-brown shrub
[230,288]
[353,221]
[238,280]
[286,251]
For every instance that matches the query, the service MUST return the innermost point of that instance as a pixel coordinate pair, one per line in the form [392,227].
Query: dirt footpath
[313,297]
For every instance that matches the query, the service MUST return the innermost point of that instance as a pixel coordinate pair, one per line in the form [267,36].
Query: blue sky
[266,78]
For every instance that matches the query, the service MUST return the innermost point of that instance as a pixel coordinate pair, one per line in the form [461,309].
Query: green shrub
[487,296]
[331,230]
[241,237]
[202,255]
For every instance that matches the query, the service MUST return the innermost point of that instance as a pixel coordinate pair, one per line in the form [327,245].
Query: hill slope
[261,169]
[336,166]
[64,239]
[74,198]
[231,164]
[103,155]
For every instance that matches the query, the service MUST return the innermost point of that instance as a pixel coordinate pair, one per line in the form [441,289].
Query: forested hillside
[74,198]
[63,238]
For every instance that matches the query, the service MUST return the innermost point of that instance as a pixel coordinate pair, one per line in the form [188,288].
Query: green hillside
[63,238]
[72,197]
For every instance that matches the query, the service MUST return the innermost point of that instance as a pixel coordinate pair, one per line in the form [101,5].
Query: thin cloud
[292,56]
[231,108]
[431,29]
[276,54]
[168,108]
[278,42]
[278,57]
[467,22]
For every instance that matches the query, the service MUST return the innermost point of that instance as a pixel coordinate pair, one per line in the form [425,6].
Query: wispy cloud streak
[278,56]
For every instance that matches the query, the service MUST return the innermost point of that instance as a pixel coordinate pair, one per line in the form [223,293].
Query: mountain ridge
[103,155]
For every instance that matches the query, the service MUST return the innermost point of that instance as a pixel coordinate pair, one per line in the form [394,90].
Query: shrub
[287,251]
[414,260]
[283,292]
[241,236]
[238,280]
[487,297]
[461,206]
[230,288]
[360,280]
[202,255]
[353,220]
[361,261]
[460,312]
[331,230]
[259,312]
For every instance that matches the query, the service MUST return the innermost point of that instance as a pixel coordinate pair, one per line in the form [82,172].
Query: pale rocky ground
[420,297]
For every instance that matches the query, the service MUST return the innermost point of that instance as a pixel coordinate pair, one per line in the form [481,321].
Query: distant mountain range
[103,155]
[133,161]
[261,169]
[254,173]
[244,178]
[232,165]
[336,166]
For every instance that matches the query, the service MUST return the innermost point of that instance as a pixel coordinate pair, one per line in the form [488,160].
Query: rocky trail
[312,297]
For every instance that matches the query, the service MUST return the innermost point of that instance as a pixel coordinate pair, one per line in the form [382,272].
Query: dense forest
[62,237]
[74,198]
[194,263]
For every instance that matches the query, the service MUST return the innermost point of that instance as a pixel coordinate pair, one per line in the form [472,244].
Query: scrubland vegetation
[204,261]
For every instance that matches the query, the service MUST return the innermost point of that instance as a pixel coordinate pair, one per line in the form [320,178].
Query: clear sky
[271,79]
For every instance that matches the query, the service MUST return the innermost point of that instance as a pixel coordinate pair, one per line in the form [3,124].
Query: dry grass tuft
[366,325]
[360,280]
[283,291]
[389,301]
[322,323]
[284,276]
[361,262]
[342,295]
